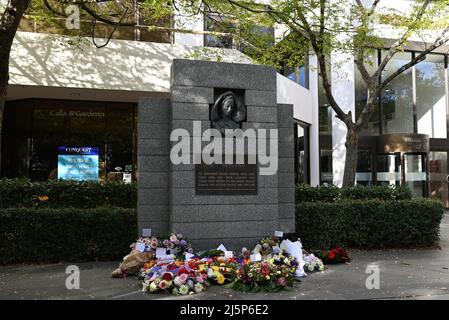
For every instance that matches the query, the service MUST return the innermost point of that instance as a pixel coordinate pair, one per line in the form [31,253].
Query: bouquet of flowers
[179,278]
[176,244]
[221,270]
[313,263]
[263,275]
[334,255]
[269,250]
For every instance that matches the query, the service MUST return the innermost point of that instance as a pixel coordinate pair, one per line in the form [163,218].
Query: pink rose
[199,279]
[183,278]
[281,282]
[163,285]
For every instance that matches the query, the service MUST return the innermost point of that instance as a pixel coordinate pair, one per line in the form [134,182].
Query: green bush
[369,223]
[16,193]
[54,235]
[305,193]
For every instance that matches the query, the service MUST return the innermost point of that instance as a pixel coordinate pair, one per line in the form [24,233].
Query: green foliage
[29,235]
[369,223]
[65,194]
[305,193]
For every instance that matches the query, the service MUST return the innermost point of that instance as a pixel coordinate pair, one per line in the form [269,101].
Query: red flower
[171,266]
[265,271]
[331,255]
[182,270]
[168,276]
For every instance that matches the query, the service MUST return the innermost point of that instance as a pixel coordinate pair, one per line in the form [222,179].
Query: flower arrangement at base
[221,270]
[312,263]
[177,245]
[261,276]
[173,243]
[179,278]
[333,256]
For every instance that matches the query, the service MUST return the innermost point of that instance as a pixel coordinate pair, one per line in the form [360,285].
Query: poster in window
[78,163]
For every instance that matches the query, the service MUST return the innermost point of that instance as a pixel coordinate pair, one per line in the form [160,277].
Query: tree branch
[394,48]
[442,39]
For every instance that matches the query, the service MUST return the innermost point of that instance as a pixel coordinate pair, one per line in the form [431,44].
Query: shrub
[369,223]
[16,193]
[54,235]
[305,193]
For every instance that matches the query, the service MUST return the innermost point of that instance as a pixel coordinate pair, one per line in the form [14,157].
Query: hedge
[369,224]
[305,193]
[54,235]
[16,193]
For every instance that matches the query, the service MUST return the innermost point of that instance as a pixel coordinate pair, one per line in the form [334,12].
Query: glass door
[389,169]
[415,175]
[438,176]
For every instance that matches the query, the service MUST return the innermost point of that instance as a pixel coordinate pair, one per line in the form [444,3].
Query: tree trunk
[352,139]
[9,23]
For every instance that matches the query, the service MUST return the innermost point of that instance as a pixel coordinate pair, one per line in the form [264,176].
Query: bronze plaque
[403,142]
[226,179]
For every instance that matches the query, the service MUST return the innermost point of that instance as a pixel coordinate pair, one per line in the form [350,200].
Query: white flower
[310,267]
[198,287]
[153,287]
[210,273]
[183,289]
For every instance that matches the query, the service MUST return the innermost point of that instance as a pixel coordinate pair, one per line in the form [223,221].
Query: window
[218,24]
[431,96]
[140,18]
[36,129]
[364,175]
[372,123]
[438,175]
[324,107]
[327,176]
[299,75]
[397,97]
[302,154]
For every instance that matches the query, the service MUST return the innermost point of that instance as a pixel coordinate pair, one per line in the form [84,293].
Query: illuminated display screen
[78,163]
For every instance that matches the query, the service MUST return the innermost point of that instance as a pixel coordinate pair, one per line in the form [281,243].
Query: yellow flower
[43,198]
[215,268]
[220,279]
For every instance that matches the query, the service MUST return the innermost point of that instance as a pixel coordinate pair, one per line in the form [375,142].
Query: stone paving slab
[404,274]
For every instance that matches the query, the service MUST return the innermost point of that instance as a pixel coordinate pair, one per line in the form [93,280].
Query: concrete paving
[404,274]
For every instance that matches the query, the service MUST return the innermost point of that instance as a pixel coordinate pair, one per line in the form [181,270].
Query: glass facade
[217,23]
[302,160]
[326,171]
[372,124]
[139,17]
[36,130]
[431,96]
[438,176]
[397,97]
[324,109]
[364,175]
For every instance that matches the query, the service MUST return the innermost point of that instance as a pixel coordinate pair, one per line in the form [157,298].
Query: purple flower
[182,243]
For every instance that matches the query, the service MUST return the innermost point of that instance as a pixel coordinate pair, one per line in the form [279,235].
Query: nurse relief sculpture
[227,113]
